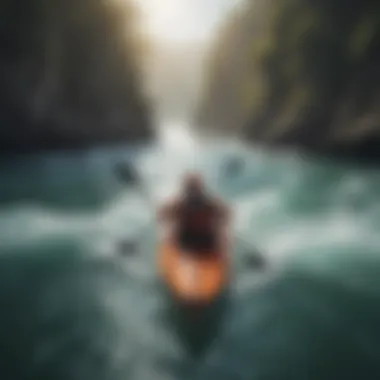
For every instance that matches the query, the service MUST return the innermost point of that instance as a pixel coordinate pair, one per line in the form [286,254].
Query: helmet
[193,183]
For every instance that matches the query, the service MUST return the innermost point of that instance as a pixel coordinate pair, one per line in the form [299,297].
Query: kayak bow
[194,278]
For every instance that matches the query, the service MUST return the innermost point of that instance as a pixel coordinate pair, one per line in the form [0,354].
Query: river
[73,307]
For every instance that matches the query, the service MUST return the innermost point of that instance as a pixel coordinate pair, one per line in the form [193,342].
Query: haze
[180,31]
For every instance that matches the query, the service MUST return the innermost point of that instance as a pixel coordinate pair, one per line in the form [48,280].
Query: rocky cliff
[70,75]
[298,72]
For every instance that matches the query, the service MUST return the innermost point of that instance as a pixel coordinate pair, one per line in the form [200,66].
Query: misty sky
[183,20]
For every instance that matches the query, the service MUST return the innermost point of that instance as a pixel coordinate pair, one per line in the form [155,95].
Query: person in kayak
[199,219]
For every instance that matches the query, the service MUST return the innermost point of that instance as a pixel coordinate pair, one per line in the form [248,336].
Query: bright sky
[182,20]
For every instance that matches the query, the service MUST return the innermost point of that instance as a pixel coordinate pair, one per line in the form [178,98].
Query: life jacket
[197,215]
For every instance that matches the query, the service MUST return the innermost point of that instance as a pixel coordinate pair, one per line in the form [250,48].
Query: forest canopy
[300,72]
[70,74]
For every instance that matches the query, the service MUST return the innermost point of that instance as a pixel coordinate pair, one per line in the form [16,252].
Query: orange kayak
[192,277]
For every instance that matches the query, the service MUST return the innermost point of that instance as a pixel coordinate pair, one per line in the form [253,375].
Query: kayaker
[199,219]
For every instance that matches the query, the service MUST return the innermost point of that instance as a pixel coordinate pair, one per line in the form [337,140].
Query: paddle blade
[127,173]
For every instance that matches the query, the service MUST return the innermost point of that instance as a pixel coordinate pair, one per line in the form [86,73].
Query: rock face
[298,72]
[70,75]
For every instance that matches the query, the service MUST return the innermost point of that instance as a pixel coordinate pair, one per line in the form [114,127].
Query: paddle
[253,258]
[129,175]
[233,167]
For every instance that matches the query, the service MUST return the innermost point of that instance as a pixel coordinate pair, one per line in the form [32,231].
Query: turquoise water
[73,307]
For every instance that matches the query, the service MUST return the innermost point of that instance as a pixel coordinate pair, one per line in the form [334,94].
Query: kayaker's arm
[168,211]
[224,212]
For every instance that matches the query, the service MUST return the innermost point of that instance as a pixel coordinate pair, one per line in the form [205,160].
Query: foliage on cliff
[70,74]
[303,72]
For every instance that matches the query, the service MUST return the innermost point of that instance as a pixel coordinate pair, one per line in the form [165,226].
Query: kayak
[192,277]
